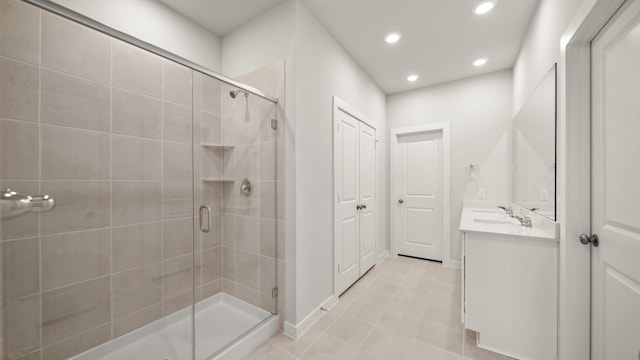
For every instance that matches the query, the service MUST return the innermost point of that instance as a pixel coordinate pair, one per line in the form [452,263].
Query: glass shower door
[97,210]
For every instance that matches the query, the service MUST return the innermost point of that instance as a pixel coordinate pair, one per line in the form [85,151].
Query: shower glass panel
[138,211]
[235,183]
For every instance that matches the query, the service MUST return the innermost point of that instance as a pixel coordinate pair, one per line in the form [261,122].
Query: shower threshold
[226,328]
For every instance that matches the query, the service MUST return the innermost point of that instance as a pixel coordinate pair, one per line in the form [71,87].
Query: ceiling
[440,38]
[221,16]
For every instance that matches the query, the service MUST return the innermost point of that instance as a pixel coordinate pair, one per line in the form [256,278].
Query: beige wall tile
[267,274]
[79,205]
[214,237]
[20,268]
[197,89]
[267,193]
[178,303]
[212,264]
[21,326]
[247,294]
[74,309]
[74,257]
[177,161]
[136,70]
[19,31]
[267,161]
[19,150]
[136,202]
[134,290]
[247,229]
[177,276]
[136,320]
[26,225]
[211,129]
[135,158]
[229,286]
[229,259]
[77,344]
[20,91]
[211,95]
[177,122]
[136,245]
[229,230]
[247,265]
[267,237]
[211,289]
[75,102]
[135,114]
[178,237]
[75,49]
[33,356]
[177,83]
[75,154]
[246,161]
[178,199]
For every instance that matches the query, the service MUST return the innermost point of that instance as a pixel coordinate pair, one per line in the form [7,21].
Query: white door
[347,227]
[419,189]
[368,211]
[615,332]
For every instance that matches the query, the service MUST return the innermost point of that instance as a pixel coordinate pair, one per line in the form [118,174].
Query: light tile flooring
[402,309]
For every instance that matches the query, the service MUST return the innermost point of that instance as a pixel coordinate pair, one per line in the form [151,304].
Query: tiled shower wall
[105,128]
[253,238]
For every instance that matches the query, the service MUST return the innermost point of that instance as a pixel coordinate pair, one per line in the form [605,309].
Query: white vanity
[509,280]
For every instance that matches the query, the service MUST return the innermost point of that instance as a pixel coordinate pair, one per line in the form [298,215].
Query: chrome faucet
[524,221]
[507,210]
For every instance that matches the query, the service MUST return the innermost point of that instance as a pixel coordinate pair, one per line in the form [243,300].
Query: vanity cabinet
[510,293]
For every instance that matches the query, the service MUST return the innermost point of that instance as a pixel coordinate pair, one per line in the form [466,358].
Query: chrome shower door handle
[204,228]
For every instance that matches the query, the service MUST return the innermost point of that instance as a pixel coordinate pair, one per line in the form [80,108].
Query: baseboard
[382,256]
[297,330]
[452,263]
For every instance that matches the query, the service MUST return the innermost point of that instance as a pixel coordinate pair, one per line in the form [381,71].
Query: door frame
[444,128]
[341,105]
[574,160]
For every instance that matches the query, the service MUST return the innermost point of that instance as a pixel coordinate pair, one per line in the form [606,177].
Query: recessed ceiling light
[412,78]
[392,37]
[480,62]
[484,6]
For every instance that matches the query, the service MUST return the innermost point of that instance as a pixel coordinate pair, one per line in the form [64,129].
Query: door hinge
[274,124]
[274,292]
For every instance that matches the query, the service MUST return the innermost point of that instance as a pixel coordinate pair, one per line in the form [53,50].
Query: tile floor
[402,309]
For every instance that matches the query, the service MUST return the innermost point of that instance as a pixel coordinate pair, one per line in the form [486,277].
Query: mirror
[534,150]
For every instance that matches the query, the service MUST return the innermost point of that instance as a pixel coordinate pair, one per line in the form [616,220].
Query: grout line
[111,317]
[39,233]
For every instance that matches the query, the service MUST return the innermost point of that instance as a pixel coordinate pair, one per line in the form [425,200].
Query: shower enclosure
[139,204]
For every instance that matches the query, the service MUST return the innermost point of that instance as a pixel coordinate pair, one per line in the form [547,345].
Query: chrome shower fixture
[234,93]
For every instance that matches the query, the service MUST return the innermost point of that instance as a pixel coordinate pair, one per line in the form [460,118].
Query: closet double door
[356,209]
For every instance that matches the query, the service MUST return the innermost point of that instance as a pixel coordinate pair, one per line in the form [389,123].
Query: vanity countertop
[486,217]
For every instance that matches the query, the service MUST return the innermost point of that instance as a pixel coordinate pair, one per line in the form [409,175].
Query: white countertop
[486,217]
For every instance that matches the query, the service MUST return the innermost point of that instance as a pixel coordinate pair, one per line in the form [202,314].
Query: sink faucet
[508,210]
[526,221]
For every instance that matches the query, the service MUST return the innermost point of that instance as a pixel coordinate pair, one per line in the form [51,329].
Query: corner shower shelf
[224,147]
[217,180]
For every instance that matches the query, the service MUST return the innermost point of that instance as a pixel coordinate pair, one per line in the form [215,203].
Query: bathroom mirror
[534,150]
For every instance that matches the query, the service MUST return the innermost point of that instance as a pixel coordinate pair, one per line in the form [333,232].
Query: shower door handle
[204,228]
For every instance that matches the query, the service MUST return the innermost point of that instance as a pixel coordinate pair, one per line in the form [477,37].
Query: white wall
[479,111]
[324,69]
[541,46]
[157,24]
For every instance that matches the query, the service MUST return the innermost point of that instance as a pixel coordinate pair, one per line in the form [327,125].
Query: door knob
[401,201]
[593,239]
[358,207]
[363,206]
